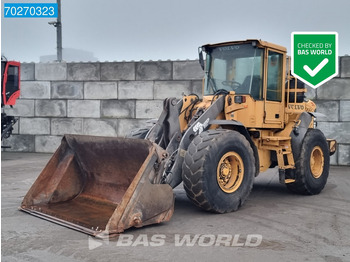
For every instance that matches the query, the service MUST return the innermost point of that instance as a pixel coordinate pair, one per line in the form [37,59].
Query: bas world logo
[178,240]
[314,57]
[200,127]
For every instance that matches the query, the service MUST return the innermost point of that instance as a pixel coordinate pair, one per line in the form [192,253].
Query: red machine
[10,91]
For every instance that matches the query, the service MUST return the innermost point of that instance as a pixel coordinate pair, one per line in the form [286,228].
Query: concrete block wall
[103,99]
[111,98]
[333,101]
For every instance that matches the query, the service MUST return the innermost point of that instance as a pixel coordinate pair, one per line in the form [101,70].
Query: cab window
[274,76]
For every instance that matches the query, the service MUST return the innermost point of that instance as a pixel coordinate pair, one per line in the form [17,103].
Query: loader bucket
[101,186]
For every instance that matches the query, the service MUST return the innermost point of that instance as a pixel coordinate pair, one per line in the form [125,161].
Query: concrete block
[67,90]
[187,70]
[197,87]
[27,71]
[135,89]
[154,70]
[83,108]
[345,66]
[23,107]
[118,71]
[335,89]
[35,90]
[47,144]
[118,108]
[311,92]
[99,127]
[338,131]
[344,110]
[34,126]
[126,125]
[20,143]
[84,71]
[344,155]
[51,108]
[164,89]
[62,126]
[51,71]
[148,109]
[100,90]
[334,159]
[329,108]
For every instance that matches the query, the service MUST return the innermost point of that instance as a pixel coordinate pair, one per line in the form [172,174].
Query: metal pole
[59,32]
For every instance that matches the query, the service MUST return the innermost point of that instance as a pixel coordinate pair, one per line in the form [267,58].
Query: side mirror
[201,59]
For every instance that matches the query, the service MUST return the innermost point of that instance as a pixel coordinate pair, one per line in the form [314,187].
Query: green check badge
[314,57]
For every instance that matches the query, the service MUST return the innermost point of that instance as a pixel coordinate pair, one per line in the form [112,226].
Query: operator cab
[239,66]
[256,71]
[10,82]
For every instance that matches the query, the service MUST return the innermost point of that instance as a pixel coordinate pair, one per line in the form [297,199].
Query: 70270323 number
[45,10]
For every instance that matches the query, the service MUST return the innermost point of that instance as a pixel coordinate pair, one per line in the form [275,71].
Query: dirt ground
[273,225]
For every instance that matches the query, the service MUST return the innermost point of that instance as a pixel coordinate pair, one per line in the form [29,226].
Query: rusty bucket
[101,186]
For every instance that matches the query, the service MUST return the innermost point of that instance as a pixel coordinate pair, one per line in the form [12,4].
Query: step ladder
[283,148]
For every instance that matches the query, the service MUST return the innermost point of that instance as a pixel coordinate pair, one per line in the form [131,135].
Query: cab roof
[259,43]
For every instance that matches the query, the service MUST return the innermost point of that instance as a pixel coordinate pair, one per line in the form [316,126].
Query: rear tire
[218,170]
[312,167]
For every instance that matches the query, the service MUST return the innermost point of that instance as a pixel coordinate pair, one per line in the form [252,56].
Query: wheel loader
[252,116]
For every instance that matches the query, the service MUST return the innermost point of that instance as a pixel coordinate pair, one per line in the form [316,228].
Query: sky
[134,30]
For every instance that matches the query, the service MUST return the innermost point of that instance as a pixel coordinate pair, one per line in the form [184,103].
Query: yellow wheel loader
[253,116]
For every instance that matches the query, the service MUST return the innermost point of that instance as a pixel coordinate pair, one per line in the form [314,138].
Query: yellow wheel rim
[316,162]
[230,172]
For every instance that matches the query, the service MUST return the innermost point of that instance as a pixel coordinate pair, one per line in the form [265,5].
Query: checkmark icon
[318,68]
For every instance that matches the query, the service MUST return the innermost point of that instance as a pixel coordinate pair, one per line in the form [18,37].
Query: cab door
[10,82]
[273,95]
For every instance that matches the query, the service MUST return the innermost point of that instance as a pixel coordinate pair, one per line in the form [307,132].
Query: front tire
[218,170]
[312,167]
